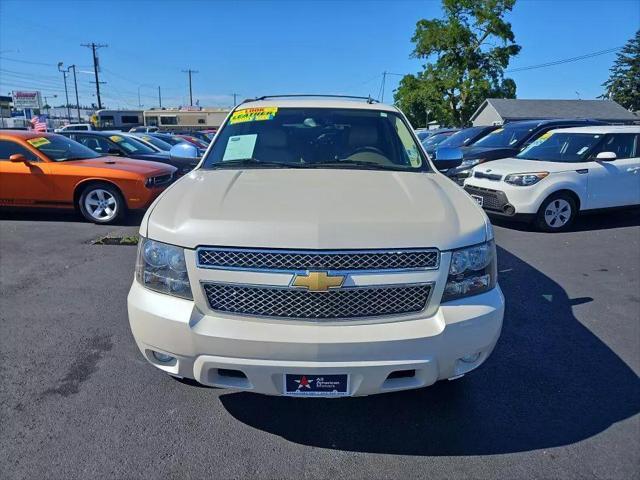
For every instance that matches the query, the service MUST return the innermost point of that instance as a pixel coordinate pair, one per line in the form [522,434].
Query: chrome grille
[262,259]
[333,304]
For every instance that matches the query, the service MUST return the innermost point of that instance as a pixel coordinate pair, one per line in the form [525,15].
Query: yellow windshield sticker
[253,115]
[116,138]
[545,136]
[498,130]
[38,142]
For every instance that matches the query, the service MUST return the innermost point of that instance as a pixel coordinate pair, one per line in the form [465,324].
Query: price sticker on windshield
[116,138]
[253,115]
[38,142]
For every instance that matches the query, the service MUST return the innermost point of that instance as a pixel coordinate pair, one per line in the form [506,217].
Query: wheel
[556,214]
[101,203]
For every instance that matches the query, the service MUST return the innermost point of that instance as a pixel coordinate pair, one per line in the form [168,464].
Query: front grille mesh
[491,199]
[211,257]
[333,304]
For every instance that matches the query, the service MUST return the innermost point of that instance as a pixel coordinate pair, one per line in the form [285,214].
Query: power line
[189,71]
[94,46]
[565,60]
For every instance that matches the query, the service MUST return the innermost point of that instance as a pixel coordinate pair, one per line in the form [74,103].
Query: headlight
[161,267]
[471,163]
[472,271]
[525,179]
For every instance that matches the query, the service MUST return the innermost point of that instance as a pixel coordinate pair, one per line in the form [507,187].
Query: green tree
[623,85]
[466,53]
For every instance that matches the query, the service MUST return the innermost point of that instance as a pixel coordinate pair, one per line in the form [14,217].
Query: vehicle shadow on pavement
[549,382]
[583,223]
[133,218]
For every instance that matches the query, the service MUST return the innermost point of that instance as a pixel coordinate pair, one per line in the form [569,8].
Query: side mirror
[185,151]
[18,158]
[606,156]
[448,158]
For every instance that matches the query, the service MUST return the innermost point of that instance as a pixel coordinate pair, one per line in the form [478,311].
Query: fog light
[162,357]
[473,358]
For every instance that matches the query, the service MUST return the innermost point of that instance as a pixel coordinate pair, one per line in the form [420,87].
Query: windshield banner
[253,115]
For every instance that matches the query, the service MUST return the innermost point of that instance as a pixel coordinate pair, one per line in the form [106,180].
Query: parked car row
[101,174]
[545,172]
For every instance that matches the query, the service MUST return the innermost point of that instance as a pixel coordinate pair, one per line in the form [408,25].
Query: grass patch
[129,240]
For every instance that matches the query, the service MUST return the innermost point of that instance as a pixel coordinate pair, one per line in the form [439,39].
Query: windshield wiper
[250,162]
[351,164]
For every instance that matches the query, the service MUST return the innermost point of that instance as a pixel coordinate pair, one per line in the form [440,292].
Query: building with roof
[497,111]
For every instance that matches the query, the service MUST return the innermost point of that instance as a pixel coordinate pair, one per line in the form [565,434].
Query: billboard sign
[23,100]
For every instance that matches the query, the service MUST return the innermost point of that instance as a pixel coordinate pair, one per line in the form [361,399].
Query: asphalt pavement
[559,398]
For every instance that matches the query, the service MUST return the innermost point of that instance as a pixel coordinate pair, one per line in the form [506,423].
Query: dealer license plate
[316,385]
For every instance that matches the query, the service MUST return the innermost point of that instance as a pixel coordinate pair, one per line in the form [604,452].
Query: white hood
[506,166]
[315,209]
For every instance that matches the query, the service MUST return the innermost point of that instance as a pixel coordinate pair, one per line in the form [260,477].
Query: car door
[615,183]
[23,183]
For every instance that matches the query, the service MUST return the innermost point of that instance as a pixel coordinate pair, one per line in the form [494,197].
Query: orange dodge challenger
[52,171]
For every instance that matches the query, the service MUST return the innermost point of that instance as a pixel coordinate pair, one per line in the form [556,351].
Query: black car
[506,141]
[112,143]
[465,137]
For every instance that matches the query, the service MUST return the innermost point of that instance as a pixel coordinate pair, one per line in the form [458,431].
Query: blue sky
[264,47]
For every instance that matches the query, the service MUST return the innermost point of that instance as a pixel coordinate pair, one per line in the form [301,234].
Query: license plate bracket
[309,385]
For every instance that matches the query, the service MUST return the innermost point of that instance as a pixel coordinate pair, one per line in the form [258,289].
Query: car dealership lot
[559,397]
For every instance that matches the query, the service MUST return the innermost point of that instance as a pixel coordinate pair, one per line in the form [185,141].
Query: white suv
[562,173]
[315,251]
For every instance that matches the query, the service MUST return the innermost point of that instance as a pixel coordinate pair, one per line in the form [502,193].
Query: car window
[131,145]
[95,143]
[81,127]
[59,148]
[317,137]
[507,137]
[461,138]
[561,147]
[8,148]
[624,145]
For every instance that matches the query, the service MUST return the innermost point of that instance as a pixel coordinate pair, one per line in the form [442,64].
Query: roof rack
[368,99]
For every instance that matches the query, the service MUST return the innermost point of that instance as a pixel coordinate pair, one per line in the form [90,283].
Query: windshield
[462,138]
[161,144]
[131,145]
[436,139]
[508,137]
[171,140]
[59,148]
[314,138]
[561,147]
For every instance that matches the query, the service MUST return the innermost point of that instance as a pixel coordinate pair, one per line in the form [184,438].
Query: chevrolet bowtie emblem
[318,281]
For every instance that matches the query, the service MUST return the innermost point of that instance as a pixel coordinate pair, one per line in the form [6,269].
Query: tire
[101,203]
[557,213]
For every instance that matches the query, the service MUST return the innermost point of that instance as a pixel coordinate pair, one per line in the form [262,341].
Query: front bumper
[205,346]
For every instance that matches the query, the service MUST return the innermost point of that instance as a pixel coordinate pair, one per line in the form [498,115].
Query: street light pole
[159,98]
[139,104]
[66,93]
[75,82]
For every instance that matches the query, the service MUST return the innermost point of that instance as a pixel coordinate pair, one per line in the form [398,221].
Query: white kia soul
[564,172]
[315,251]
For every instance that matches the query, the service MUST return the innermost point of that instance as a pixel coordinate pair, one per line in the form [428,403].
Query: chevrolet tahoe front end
[324,280]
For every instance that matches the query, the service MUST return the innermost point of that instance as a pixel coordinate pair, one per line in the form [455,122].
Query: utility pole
[384,79]
[75,82]
[234,98]
[159,97]
[189,71]
[94,46]
[66,94]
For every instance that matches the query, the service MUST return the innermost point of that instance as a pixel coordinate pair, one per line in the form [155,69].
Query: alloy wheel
[101,205]
[557,213]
